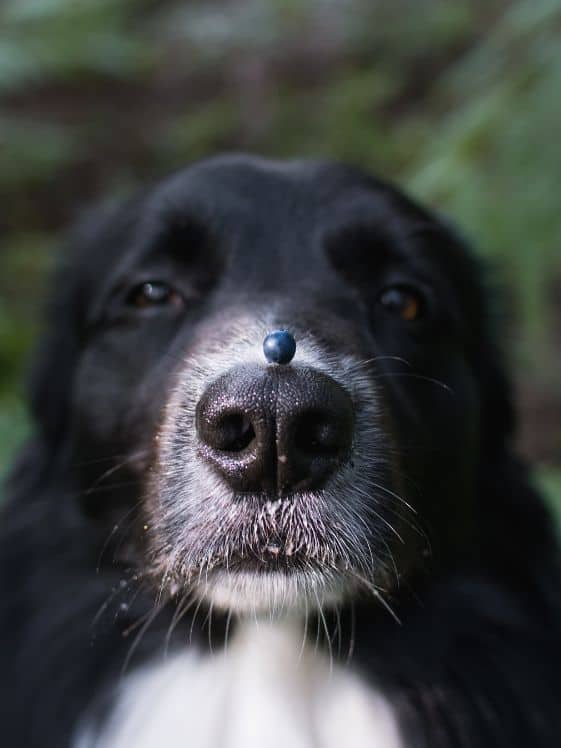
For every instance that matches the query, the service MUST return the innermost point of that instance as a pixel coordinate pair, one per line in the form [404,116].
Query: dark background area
[458,101]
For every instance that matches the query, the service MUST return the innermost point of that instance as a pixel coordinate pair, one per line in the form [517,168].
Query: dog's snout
[275,430]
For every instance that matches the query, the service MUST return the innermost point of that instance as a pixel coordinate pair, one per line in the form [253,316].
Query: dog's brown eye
[403,301]
[153,294]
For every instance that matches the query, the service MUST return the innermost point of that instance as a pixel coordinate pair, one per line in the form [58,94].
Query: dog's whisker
[375,591]
[362,363]
[194,618]
[412,375]
[118,527]
[227,630]
[305,629]
[180,612]
[123,458]
[338,629]
[115,591]
[209,617]
[107,488]
[352,633]
[151,617]
[112,470]
[326,630]
[395,495]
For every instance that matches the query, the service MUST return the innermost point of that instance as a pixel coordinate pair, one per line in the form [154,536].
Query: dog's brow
[350,241]
[179,232]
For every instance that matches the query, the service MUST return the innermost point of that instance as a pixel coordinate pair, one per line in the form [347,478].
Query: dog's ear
[510,504]
[50,379]
[56,358]
[498,416]
[479,285]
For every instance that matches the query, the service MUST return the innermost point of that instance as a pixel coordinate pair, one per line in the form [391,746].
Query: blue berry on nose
[279,347]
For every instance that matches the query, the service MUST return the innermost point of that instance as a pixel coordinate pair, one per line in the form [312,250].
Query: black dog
[324,542]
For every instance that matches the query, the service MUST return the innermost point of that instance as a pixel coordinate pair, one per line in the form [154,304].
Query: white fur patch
[264,691]
[275,593]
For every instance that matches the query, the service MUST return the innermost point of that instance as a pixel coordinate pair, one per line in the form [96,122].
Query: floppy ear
[517,530]
[49,384]
[498,416]
[484,312]
[58,351]
[50,380]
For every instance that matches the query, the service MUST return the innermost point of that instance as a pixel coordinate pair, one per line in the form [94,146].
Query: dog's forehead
[252,208]
[255,208]
[268,191]
[244,174]
[264,214]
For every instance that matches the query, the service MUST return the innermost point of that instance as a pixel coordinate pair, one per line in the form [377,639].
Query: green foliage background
[457,100]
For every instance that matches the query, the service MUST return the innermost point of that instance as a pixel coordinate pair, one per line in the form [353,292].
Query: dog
[271,498]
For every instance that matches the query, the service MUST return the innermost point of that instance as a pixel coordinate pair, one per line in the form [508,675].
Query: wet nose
[275,430]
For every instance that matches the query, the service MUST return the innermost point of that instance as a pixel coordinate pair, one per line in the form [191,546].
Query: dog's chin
[272,592]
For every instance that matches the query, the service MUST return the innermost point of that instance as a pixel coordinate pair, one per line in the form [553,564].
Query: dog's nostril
[316,434]
[234,433]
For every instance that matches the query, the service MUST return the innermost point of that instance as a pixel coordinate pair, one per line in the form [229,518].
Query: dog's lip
[273,558]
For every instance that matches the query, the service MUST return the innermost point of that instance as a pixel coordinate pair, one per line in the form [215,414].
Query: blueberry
[279,347]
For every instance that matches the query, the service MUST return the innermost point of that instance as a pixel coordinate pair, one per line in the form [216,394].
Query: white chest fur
[263,692]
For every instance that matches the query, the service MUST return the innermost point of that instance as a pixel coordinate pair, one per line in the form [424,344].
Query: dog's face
[262,485]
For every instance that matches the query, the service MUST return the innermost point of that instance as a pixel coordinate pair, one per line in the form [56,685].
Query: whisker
[194,619]
[328,637]
[316,645]
[114,530]
[112,470]
[115,591]
[338,630]
[154,613]
[394,495]
[376,593]
[227,630]
[208,618]
[110,458]
[181,610]
[412,375]
[305,632]
[352,635]
[367,361]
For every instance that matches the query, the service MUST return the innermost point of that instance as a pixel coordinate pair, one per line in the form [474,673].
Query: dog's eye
[404,301]
[154,294]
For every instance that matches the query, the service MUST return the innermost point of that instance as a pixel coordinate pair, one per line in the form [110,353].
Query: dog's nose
[276,430]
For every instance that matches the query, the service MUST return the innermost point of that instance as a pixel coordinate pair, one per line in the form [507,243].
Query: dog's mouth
[275,591]
[296,553]
[285,555]
[277,577]
[272,558]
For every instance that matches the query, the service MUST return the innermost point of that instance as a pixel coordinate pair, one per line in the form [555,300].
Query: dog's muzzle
[264,492]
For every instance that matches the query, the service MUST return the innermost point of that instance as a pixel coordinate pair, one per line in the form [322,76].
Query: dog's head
[268,485]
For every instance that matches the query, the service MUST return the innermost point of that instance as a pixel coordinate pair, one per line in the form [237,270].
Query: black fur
[476,659]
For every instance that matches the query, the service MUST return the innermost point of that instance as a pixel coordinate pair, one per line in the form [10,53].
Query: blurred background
[458,101]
